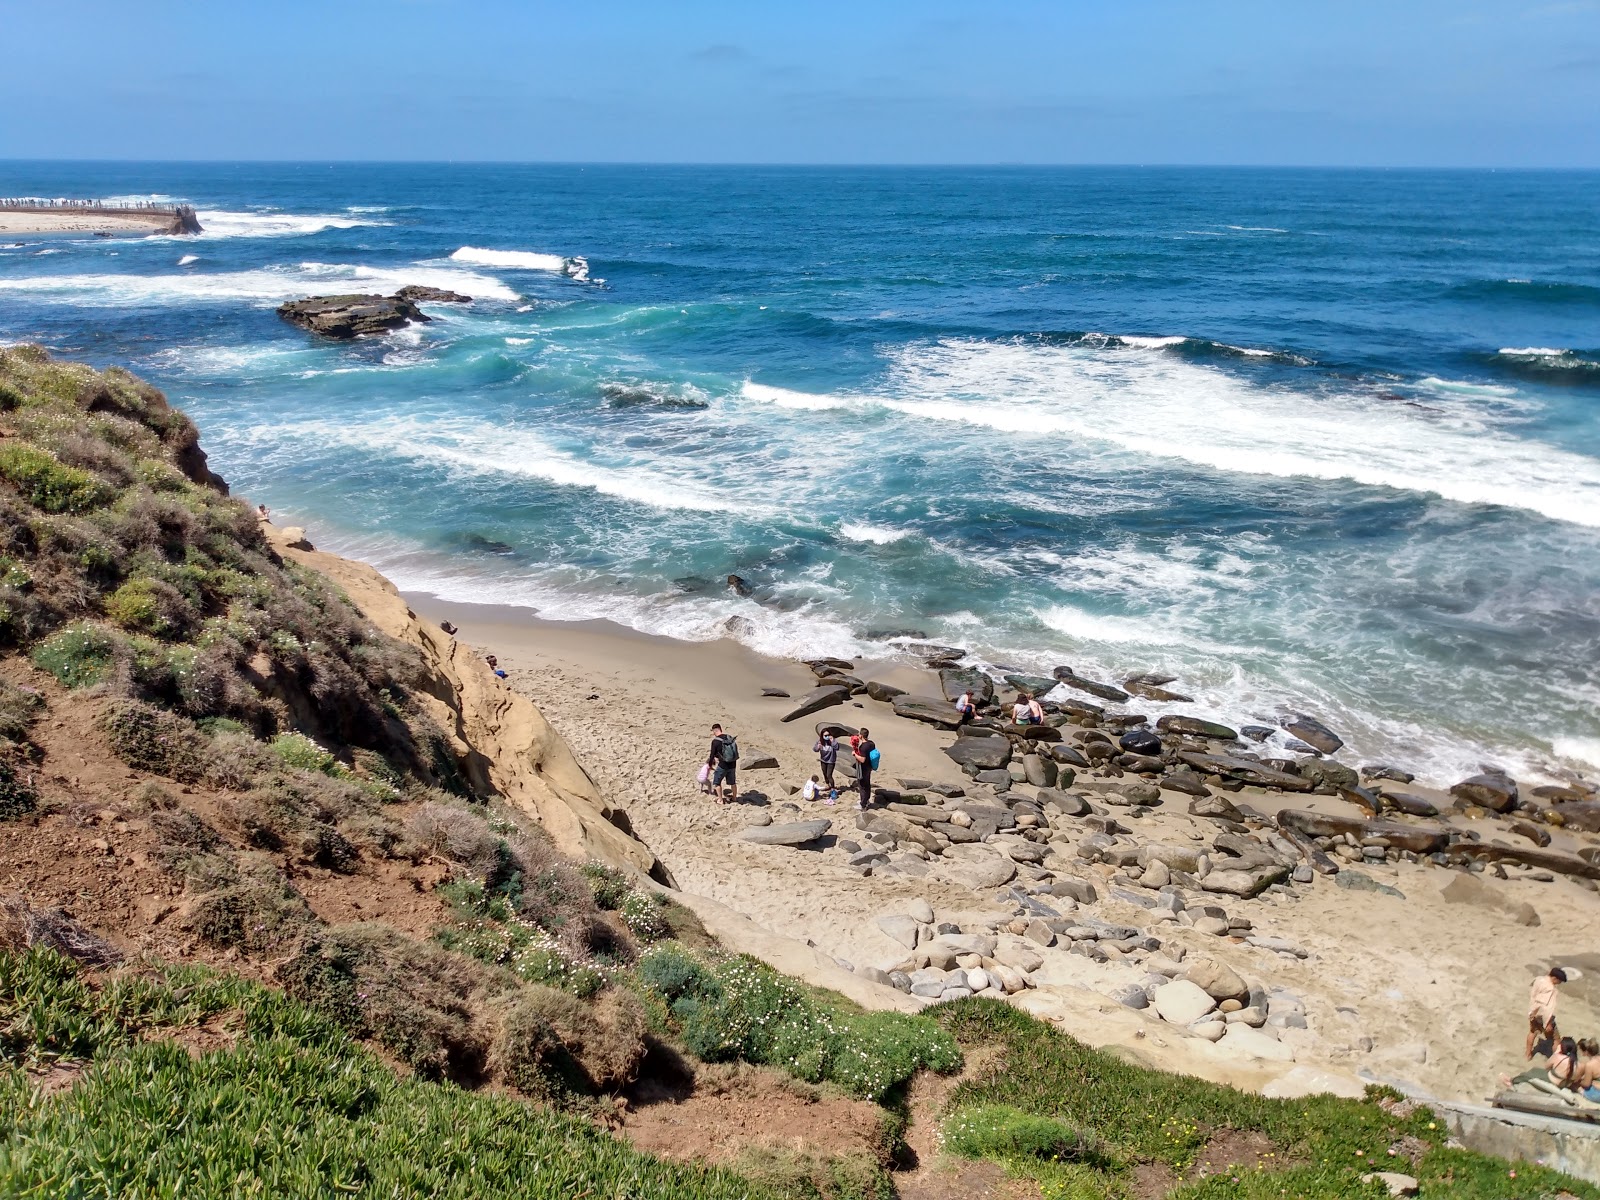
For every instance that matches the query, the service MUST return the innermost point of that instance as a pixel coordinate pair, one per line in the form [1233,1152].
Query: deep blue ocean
[1322,441]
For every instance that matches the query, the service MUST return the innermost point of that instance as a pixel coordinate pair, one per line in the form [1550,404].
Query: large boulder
[1313,733]
[1497,793]
[1197,727]
[955,680]
[351,316]
[981,873]
[1067,802]
[790,833]
[421,293]
[883,692]
[1182,1002]
[1218,808]
[1218,980]
[1325,773]
[1141,741]
[980,753]
[817,699]
[1037,685]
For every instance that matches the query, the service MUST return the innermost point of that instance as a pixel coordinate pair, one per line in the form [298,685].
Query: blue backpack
[874,758]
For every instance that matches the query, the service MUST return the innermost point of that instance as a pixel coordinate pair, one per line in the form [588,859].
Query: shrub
[17,795]
[1000,1132]
[552,1043]
[300,752]
[609,885]
[642,913]
[148,738]
[144,605]
[19,708]
[544,962]
[675,973]
[78,656]
[49,484]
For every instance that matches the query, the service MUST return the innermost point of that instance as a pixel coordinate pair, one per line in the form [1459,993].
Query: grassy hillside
[304,958]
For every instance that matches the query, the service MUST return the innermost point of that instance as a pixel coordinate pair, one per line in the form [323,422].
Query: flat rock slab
[790,833]
[1246,770]
[929,709]
[1248,882]
[985,754]
[816,700]
[1078,683]
[1197,727]
[1313,733]
[1241,1039]
[1182,1002]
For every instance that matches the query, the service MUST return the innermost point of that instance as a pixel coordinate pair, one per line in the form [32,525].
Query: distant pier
[33,215]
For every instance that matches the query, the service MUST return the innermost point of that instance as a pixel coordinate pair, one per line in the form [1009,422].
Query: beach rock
[351,315]
[1314,733]
[295,537]
[1140,793]
[1246,770]
[1412,806]
[1256,733]
[883,692]
[1103,690]
[1216,979]
[817,699]
[1131,995]
[1325,773]
[1385,771]
[1141,741]
[789,833]
[1254,1043]
[1036,685]
[1182,1003]
[982,874]
[1217,807]
[1070,804]
[1529,856]
[1032,733]
[775,693]
[927,709]
[1534,833]
[982,753]
[1419,839]
[981,944]
[1497,793]
[1246,882]
[758,760]
[419,293]
[1154,692]
[1041,772]
[1196,727]
[901,929]
[921,911]
[955,680]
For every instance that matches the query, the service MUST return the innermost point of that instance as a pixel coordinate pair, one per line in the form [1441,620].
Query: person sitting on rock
[966,710]
[1542,1009]
[494,665]
[1027,711]
[1587,1083]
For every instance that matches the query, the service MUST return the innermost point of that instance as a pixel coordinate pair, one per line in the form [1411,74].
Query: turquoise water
[1320,441]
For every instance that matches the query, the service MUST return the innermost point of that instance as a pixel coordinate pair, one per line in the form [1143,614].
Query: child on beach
[494,665]
[811,789]
[965,708]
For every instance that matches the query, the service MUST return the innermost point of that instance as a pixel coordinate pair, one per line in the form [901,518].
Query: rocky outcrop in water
[351,316]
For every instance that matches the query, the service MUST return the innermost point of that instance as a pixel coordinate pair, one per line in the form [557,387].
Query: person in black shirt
[724,763]
[862,749]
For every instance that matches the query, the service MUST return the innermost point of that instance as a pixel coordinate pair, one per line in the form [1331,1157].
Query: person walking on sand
[865,751]
[827,752]
[1542,1009]
[724,763]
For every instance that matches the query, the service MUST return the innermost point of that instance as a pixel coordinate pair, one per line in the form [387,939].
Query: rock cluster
[359,315]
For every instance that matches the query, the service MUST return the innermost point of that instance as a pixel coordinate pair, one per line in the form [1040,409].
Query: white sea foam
[1158,406]
[187,259]
[878,535]
[785,398]
[524,260]
[1257,229]
[1149,343]
[271,223]
[269,284]
[1532,351]
[1584,750]
[477,447]
[1462,388]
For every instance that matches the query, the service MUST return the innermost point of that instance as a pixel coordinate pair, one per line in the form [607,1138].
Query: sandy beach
[23,221]
[1418,990]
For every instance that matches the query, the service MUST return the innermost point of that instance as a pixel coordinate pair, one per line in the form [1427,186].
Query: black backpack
[730,749]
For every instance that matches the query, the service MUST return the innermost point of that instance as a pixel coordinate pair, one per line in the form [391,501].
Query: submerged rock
[1314,733]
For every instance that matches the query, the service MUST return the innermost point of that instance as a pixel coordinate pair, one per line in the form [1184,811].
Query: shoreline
[1407,986]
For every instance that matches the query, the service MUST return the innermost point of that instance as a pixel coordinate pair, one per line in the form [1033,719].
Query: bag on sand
[704,774]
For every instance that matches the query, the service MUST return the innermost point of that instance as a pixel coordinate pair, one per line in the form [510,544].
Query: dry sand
[1440,989]
[16,221]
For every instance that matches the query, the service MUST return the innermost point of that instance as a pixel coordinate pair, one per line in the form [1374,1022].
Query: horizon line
[788,164]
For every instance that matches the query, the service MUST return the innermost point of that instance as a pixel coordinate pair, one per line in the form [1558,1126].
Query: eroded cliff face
[501,739]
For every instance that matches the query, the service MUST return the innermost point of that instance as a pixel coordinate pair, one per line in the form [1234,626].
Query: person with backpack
[724,763]
[865,752]
[827,752]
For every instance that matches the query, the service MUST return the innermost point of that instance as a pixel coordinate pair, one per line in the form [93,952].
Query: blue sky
[1398,83]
